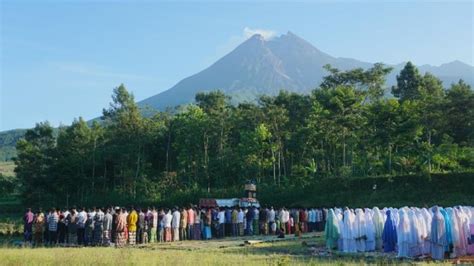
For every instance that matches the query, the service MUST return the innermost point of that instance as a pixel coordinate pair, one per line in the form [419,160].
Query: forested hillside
[344,130]
[8,141]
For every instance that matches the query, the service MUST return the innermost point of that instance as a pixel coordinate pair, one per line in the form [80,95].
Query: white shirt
[271,216]
[240,217]
[175,219]
[167,220]
[81,219]
[221,217]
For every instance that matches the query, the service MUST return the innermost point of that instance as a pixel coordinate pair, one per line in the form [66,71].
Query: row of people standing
[120,226]
[410,232]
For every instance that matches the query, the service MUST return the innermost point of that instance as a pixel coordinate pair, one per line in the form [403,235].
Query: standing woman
[369,230]
[378,221]
[438,235]
[403,234]
[331,230]
[389,235]
[360,230]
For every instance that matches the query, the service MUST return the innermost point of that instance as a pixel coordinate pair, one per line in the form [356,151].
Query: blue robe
[438,236]
[447,224]
[389,235]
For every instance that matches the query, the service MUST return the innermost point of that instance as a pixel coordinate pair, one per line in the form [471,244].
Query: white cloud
[266,34]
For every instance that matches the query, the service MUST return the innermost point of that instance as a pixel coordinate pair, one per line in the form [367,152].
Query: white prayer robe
[370,231]
[403,234]
[461,233]
[348,240]
[360,230]
[415,235]
[423,230]
[341,228]
[379,221]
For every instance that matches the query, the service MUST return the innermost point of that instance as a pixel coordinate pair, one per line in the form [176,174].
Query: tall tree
[409,83]
[34,164]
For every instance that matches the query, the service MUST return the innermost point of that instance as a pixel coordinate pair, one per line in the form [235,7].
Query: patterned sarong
[167,234]
[106,237]
[120,240]
[241,229]
[255,227]
[152,235]
[132,237]
[72,239]
[197,232]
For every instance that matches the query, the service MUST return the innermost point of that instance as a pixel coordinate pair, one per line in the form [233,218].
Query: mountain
[259,66]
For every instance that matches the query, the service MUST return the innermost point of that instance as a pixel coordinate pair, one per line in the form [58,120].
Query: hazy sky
[61,59]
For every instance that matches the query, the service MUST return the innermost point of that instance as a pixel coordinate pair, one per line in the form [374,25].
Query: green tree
[409,83]
[34,164]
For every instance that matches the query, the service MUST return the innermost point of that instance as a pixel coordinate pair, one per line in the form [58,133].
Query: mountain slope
[260,66]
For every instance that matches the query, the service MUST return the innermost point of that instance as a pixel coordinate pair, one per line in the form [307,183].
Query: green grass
[7,168]
[230,251]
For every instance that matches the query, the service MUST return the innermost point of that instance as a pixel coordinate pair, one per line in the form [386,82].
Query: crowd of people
[120,226]
[410,232]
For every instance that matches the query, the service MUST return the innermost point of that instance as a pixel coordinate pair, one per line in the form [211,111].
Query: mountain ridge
[259,66]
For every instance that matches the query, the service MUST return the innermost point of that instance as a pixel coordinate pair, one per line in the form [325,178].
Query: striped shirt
[53,222]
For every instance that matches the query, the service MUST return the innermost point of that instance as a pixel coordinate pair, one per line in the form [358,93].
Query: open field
[7,168]
[308,250]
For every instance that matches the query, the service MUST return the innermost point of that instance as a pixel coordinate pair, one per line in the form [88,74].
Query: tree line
[347,127]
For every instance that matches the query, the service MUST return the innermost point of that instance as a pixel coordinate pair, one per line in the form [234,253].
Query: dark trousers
[190,231]
[53,237]
[235,229]
[140,235]
[221,230]
[28,232]
[46,236]
[81,235]
[228,229]
[61,233]
[249,227]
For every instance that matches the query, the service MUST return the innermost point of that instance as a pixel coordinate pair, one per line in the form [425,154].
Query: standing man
[28,225]
[235,225]
[107,227]
[271,220]
[175,223]
[228,221]
[221,219]
[140,226]
[190,223]
[39,227]
[121,224]
[72,227]
[249,218]
[53,227]
[98,226]
[81,226]
[132,226]
[167,225]
[183,224]
[153,225]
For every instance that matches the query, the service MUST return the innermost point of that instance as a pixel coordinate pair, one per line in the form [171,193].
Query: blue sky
[61,59]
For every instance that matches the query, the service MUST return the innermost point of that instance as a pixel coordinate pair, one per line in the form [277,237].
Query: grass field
[232,251]
[7,168]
